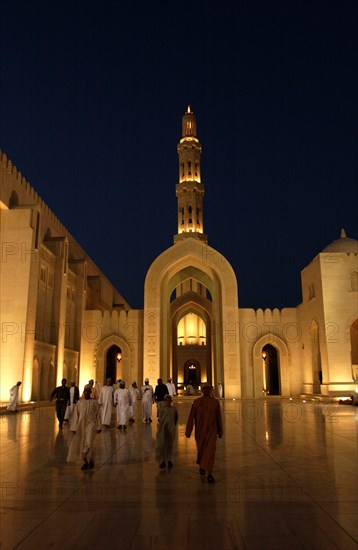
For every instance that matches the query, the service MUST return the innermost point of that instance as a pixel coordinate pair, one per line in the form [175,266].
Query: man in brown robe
[205,413]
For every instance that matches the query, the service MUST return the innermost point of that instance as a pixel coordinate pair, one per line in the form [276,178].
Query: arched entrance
[44,381]
[204,283]
[317,375]
[35,393]
[113,359]
[51,379]
[261,382]
[192,373]
[191,341]
[72,374]
[271,375]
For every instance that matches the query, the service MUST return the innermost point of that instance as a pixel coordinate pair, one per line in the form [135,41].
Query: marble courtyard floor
[286,478]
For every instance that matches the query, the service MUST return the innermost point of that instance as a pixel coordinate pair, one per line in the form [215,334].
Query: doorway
[192,373]
[113,359]
[271,374]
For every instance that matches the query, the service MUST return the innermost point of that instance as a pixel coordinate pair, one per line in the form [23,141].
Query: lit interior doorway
[192,373]
[113,359]
[354,342]
[271,375]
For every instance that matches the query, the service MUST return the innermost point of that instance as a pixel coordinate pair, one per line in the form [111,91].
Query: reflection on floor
[286,478]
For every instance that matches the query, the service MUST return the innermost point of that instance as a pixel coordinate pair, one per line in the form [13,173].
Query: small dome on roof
[343,245]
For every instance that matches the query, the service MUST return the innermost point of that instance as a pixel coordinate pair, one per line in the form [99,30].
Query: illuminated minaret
[189,190]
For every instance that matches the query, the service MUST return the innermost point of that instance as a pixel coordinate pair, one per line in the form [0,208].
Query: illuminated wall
[191,330]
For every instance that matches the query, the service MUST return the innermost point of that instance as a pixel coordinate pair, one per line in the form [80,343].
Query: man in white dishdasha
[14,397]
[106,400]
[122,402]
[147,400]
[86,422]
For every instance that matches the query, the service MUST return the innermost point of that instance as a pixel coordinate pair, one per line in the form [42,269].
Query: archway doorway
[271,374]
[192,373]
[317,375]
[191,337]
[35,394]
[354,349]
[44,382]
[113,359]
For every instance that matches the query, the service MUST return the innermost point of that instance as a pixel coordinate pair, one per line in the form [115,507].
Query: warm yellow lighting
[341,387]
[190,178]
[342,398]
[27,380]
[189,138]
[119,357]
[264,372]
[188,111]
[190,327]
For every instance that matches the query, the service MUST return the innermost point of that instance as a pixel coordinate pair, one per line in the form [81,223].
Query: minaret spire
[189,190]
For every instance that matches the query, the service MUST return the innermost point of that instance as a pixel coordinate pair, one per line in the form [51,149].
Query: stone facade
[61,317]
[48,287]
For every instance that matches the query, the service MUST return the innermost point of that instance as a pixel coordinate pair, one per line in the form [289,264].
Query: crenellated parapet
[17,194]
[270,323]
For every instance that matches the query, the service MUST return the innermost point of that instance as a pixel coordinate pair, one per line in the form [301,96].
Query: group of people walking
[88,414]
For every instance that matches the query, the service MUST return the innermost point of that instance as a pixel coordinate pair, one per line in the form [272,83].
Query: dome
[343,245]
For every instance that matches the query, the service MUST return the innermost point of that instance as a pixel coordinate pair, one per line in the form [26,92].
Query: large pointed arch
[192,258]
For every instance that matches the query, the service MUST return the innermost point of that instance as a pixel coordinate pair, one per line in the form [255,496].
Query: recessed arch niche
[271,342]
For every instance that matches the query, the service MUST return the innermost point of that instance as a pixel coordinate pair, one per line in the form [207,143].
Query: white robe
[85,422]
[147,400]
[14,398]
[171,388]
[122,402]
[106,400]
[70,409]
[134,396]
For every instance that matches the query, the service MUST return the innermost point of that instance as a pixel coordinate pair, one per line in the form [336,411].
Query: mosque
[61,317]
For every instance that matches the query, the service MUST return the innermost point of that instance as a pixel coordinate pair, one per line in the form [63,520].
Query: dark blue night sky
[91,99]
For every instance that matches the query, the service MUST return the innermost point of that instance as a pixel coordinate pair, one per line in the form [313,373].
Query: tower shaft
[189,190]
